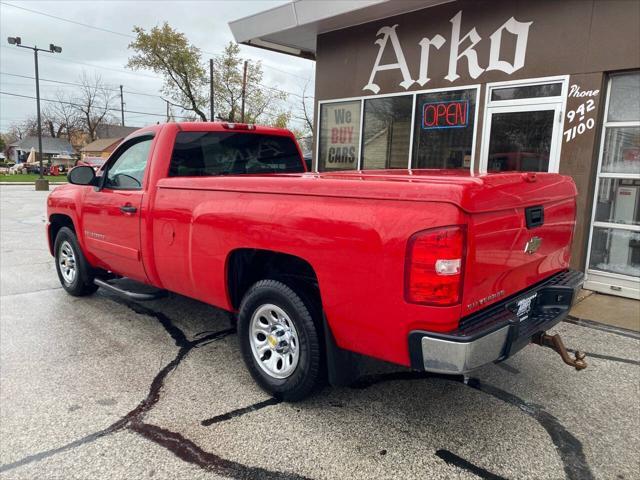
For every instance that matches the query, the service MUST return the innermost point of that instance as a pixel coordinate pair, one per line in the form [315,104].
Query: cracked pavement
[101,387]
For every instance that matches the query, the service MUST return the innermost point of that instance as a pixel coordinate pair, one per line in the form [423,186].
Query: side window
[127,171]
[203,154]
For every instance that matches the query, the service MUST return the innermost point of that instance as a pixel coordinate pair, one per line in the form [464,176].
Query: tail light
[239,126]
[433,271]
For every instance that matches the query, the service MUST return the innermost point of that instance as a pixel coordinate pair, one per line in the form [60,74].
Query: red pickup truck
[438,270]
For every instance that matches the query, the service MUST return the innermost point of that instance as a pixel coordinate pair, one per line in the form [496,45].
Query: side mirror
[82,175]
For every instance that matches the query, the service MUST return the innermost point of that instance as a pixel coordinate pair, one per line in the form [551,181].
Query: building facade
[486,86]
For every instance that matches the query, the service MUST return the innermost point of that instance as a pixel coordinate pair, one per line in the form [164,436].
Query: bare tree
[307,110]
[94,103]
[62,117]
[26,128]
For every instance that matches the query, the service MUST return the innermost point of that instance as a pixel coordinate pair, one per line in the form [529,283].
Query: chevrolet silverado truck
[438,270]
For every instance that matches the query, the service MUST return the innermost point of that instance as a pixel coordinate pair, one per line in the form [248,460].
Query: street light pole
[41,182]
[41,177]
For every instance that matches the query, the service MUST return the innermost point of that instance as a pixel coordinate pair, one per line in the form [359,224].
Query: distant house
[100,148]
[104,131]
[108,138]
[56,150]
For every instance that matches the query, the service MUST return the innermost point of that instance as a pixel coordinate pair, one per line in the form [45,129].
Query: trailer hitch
[554,342]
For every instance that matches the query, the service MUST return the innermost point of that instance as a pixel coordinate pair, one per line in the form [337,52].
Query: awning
[293,28]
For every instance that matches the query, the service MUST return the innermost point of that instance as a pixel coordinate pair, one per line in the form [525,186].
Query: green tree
[167,52]
[281,120]
[263,104]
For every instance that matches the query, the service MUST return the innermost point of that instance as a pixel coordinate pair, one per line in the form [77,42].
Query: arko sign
[460,47]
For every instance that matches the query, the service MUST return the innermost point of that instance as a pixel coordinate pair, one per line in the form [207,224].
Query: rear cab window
[204,154]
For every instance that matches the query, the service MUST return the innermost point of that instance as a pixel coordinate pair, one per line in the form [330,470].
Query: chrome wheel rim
[67,262]
[274,341]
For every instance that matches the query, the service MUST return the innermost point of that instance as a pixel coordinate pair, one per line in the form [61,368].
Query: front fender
[65,202]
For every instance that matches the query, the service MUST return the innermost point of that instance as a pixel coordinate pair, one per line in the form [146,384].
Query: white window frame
[414,94]
[559,103]
[598,280]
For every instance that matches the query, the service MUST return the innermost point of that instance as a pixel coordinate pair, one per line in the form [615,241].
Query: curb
[30,183]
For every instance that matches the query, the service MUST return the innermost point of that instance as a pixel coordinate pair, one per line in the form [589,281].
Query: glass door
[523,125]
[613,264]
[522,139]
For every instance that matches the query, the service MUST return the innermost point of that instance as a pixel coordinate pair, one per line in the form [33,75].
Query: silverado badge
[532,245]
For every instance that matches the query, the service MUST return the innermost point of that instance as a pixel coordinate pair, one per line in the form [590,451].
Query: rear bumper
[497,332]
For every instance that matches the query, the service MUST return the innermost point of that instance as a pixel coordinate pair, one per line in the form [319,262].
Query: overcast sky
[91,50]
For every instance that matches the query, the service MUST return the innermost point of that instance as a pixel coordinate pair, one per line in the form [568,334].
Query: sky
[103,50]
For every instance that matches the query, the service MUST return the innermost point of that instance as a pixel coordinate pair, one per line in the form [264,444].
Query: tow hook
[554,342]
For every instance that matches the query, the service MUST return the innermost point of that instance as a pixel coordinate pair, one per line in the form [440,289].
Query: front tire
[74,272]
[279,340]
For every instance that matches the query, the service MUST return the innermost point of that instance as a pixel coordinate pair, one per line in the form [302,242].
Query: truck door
[111,213]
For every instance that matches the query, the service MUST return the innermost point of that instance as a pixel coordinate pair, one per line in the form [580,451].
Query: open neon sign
[452,114]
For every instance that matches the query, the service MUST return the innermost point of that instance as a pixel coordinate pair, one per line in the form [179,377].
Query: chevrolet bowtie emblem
[532,245]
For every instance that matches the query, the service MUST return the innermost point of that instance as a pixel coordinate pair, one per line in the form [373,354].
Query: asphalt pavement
[100,387]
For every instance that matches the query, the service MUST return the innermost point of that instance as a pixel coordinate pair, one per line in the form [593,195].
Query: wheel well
[246,266]
[58,221]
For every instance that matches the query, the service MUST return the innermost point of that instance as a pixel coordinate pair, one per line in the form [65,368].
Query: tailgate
[512,248]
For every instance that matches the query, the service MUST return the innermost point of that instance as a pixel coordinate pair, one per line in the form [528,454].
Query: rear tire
[279,340]
[74,272]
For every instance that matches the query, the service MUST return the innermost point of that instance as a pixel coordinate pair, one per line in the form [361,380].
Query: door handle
[128,208]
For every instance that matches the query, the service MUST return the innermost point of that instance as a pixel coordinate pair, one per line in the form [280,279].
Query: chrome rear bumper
[497,332]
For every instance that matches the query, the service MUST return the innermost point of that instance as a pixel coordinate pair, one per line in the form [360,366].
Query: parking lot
[101,387]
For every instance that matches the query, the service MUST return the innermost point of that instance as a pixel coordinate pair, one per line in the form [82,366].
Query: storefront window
[339,136]
[624,100]
[527,91]
[443,130]
[616,251]
[621,152]
[618,201]
[614,256]
[386,130]
[520,141]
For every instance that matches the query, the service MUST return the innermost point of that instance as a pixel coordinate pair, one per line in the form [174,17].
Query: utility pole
[122,105]
[41,183]
[211,88]
[168,111]
[244,90]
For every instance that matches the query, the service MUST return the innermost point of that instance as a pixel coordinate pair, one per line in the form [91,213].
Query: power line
[150,95]
[80,106]
[69,60]
[284,71]
[151,76]
[127,35]
[78,84]
[268,114]
[68,20]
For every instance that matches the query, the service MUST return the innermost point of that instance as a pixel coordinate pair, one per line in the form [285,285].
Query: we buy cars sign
[341,122]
